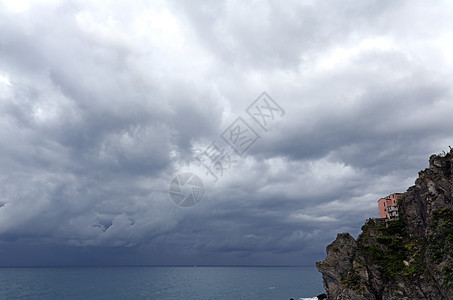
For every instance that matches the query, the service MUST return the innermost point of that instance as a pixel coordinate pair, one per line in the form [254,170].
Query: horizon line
[150,266]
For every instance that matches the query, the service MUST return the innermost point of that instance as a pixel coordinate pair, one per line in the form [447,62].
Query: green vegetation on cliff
[386,250]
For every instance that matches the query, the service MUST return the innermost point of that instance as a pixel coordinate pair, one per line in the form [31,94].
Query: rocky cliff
[408,258]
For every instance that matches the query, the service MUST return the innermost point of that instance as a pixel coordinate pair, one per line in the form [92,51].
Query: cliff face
[408,258]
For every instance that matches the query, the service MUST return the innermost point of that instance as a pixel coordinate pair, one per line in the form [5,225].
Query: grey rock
[410,258]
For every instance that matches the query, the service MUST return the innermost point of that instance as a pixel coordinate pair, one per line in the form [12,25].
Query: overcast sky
[103,103]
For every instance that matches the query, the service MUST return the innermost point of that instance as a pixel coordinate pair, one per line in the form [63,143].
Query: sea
[202,282]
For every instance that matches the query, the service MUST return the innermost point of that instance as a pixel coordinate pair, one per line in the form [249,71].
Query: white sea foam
[312,298]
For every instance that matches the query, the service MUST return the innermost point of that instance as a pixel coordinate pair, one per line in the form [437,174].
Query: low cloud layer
[102,104]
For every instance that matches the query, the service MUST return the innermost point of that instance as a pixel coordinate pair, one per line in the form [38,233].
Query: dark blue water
[219,283]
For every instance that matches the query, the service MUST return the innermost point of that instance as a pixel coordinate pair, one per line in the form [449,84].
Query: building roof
[388,197]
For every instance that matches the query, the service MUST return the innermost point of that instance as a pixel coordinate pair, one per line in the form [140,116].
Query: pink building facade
[388,206]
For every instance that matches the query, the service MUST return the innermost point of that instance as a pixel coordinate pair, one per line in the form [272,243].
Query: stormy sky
[103,103]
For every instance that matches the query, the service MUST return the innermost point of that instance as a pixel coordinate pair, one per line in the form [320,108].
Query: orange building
[388,206]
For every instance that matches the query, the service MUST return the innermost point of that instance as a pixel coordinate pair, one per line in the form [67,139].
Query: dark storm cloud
[362,125]
[102,104]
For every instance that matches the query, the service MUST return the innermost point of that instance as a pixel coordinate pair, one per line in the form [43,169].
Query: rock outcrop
[409,258]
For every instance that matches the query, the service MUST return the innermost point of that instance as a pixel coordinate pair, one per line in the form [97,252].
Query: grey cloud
[102,104]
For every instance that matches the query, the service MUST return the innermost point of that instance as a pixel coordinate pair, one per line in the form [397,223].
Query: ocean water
[216,283]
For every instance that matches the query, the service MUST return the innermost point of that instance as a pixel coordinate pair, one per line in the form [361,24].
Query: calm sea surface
[217,283]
